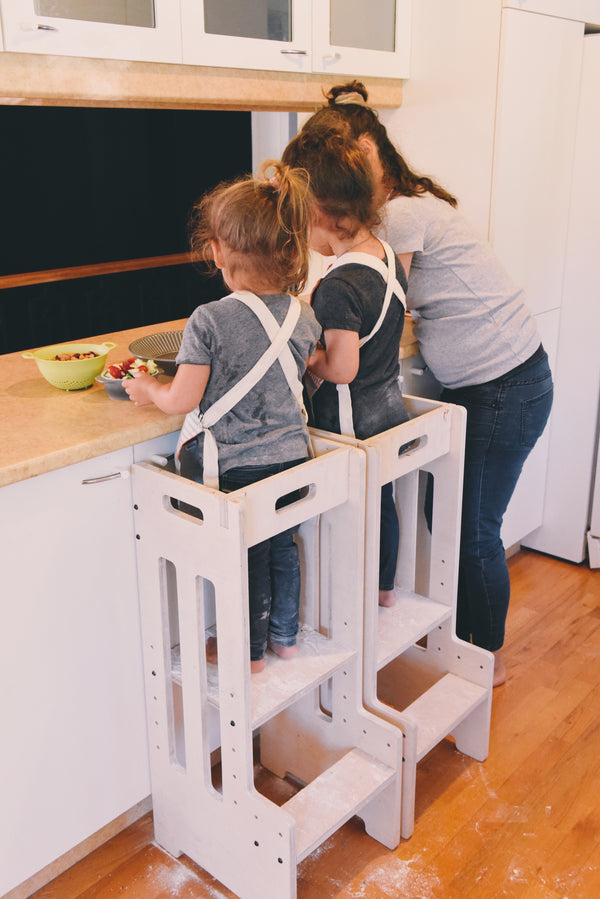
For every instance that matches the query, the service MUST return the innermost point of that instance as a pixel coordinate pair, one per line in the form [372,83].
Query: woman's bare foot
[387,598]
[284,652]
[499,669]
[211,650]
[257,665]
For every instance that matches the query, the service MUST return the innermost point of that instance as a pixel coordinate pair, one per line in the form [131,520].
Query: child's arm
[177,397]
[339,362]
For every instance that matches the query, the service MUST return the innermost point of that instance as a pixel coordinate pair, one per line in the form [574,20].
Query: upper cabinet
[345,37]
[147,30]
[580,10]
[351,37]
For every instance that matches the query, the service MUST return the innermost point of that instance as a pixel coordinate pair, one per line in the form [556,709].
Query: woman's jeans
[273,565]
[505,418]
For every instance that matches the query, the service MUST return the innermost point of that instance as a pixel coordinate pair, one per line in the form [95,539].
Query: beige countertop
[43,428]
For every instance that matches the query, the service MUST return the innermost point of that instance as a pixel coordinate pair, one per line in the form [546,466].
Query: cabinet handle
[332,57]
[36,26]
[295,52]
[122,473]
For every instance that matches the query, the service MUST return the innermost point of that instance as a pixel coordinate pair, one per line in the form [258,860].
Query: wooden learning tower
[417,674]
[307,712]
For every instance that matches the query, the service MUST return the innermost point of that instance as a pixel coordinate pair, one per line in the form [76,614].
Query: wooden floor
[525,823]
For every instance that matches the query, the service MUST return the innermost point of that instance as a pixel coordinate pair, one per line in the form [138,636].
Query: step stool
[418,674]
[192,546]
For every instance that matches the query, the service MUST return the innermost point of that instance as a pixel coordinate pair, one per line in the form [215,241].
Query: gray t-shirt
[266,426]
[471,322]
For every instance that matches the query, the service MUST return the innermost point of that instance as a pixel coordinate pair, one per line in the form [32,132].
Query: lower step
[442,708]
[334,797]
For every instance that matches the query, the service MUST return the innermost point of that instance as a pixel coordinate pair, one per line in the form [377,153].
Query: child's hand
[139,387]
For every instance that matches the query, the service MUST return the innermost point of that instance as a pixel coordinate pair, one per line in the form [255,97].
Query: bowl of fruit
[71,366]
[116,375]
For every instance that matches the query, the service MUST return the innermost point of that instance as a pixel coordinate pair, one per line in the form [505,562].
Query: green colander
[73,374]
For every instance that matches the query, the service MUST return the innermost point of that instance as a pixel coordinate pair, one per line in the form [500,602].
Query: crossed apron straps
[393,286]
[197,423]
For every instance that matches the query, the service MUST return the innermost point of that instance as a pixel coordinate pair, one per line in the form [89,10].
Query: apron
[197,422]
[393,286]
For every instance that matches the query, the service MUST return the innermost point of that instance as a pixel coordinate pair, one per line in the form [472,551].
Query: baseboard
[79,852]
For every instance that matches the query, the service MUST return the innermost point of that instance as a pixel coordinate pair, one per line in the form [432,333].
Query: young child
[360,304]
[255,232]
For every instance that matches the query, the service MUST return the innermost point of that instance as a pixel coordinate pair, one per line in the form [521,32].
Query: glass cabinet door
[110,29]
[262,34]
[361,37]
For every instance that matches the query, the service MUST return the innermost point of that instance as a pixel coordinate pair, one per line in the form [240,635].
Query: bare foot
[387,598]
[284,652]
[257,665]
[499,669]
[211,650]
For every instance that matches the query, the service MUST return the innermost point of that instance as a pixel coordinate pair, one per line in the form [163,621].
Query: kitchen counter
[43,428]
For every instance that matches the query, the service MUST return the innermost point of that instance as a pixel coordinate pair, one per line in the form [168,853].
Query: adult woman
[480,342]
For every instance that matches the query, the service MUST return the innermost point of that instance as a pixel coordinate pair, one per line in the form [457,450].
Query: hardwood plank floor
[524,824]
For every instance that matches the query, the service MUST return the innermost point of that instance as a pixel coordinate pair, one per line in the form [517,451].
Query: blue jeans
[389,539]
[273,564]
[505,418]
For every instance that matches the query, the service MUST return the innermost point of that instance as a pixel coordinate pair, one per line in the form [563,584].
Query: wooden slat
[334,797]
[439,710]
[91,271]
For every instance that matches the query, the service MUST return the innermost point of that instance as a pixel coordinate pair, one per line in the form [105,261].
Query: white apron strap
[196,423]
[393,286]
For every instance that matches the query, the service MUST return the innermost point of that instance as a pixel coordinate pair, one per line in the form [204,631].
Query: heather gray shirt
[471,322]
[267,425]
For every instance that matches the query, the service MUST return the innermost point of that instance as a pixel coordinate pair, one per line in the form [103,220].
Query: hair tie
[350,97]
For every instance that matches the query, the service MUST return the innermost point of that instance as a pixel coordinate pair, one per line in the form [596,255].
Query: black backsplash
[63,311]
[84,186]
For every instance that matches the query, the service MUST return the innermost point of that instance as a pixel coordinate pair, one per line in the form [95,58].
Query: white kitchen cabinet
[74,751]
[490,111]
[360,37]
[538,91]
[148,30]
[351,37]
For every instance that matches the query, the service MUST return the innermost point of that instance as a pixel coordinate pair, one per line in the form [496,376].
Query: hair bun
[352,93]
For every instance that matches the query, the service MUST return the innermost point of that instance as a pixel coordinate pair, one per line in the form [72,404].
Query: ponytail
[262,221]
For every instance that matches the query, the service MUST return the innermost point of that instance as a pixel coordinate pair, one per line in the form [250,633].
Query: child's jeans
[273,565]
[389,539]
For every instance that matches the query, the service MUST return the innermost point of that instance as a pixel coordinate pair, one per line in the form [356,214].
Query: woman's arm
[405,259]
[339,362]
[176,397]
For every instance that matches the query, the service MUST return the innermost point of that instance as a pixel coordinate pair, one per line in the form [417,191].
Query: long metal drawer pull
[295,52]
[123,473]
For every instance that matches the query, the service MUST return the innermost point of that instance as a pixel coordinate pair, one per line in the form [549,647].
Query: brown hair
[340,177]
[347,110]
[263,224]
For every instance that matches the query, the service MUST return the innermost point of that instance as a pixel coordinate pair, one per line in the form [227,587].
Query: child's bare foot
[499,669]
[387,598]
[257,665]
[284,652]
[211,650]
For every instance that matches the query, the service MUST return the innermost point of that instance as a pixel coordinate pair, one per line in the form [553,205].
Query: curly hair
[263,223]
[347,111]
